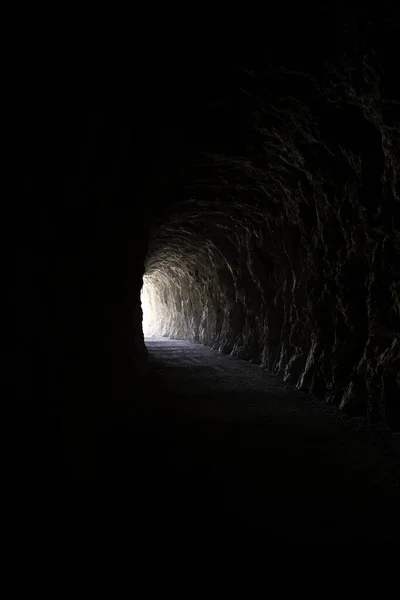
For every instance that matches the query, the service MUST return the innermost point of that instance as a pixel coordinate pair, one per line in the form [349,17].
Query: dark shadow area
[184,471]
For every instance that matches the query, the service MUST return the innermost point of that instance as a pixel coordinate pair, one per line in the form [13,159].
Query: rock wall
[286,250]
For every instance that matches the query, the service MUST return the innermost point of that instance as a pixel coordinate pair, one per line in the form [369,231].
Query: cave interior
[243,196]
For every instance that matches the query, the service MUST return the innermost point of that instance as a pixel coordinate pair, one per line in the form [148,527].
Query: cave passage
[208,288]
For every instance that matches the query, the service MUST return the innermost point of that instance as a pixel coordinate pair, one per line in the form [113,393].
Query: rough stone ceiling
[284,245]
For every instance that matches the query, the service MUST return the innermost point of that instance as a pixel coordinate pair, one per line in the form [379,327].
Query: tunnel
[236,199]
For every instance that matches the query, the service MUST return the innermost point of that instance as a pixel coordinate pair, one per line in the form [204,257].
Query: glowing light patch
[147,297]
[155,309]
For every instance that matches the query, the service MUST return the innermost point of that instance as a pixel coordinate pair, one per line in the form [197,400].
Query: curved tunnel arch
[270,254]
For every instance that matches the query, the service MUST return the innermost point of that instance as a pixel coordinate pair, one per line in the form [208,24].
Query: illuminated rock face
[286,251]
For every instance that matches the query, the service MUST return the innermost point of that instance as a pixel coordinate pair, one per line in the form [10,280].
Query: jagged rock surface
[286,252]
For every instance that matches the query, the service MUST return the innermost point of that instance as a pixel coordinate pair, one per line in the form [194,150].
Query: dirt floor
[220,449]
[216,450]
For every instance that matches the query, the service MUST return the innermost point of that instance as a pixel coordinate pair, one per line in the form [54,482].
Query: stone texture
[285,250]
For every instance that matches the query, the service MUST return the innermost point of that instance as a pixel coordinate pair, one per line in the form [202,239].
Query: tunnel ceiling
[276,210]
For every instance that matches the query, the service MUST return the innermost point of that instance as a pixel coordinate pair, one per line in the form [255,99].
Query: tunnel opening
[151,308]
[159,305]
[179,270]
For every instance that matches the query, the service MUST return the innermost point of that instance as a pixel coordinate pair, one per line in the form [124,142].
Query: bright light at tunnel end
[155,313]
[147,310]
